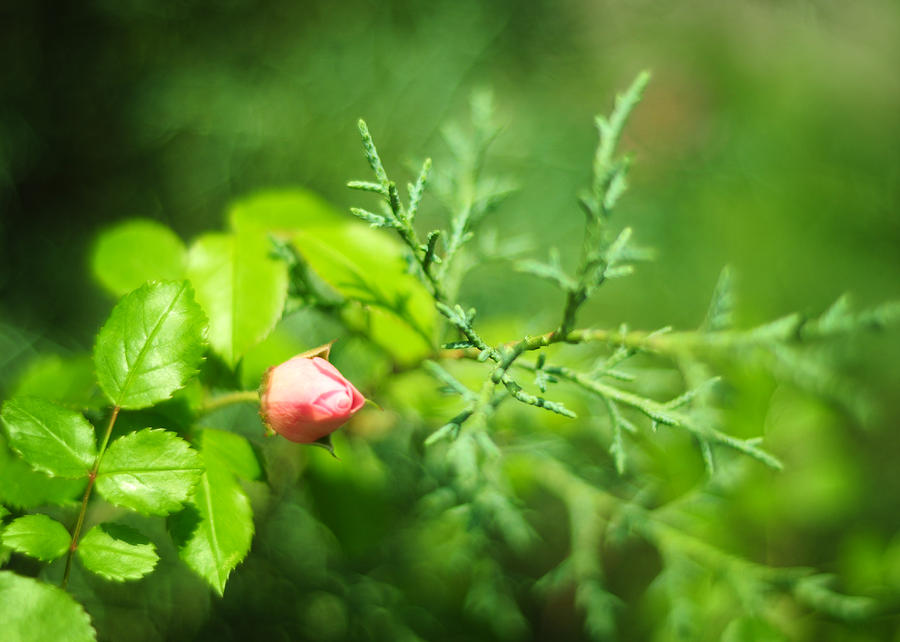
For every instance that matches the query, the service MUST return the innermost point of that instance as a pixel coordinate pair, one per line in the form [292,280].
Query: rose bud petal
[305,399]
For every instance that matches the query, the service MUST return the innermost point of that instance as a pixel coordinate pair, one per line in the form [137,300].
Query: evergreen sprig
[604,255]
[589,505]
[434,268]
[782,347]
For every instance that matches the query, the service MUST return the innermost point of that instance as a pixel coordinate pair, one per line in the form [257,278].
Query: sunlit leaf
[31,611]
[362,264]
[151,344]
[117,552]
[151,471]
[241,288]
[51,438]
[231,450]
[37,536]
[214,534]
[136,251]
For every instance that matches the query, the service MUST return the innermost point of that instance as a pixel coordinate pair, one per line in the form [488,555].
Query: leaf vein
[143,351]
[214,540]
[51,433]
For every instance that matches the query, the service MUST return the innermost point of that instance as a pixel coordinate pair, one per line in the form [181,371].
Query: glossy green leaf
[214,534]
[151,471]
[231,450]
[363,264]
[31,611]
[51,438]
[23,487]
[135,251]
[241,287]
[117,552]
[37,536]
[151,344]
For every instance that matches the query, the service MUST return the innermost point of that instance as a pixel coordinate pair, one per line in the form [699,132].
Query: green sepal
[325,442]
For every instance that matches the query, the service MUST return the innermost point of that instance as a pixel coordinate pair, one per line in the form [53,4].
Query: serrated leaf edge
[123,577]
[204,337]
[6,532]
[193,486]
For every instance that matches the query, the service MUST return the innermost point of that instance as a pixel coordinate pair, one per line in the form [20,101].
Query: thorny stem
[92,477]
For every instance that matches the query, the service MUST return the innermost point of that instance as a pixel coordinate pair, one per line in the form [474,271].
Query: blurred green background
[769,139]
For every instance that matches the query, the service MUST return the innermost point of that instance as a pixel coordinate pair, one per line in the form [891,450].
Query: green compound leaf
[117,552]
[214,534]
[231,450]
[151,471]
[51,438]
[37,536]
[32,611]
[240,286]
[139,250]
[151,344]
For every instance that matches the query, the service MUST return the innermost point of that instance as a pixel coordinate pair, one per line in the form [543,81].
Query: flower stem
[238,396]
[92,477]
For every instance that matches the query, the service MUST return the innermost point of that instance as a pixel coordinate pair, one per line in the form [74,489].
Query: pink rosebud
[306,398]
